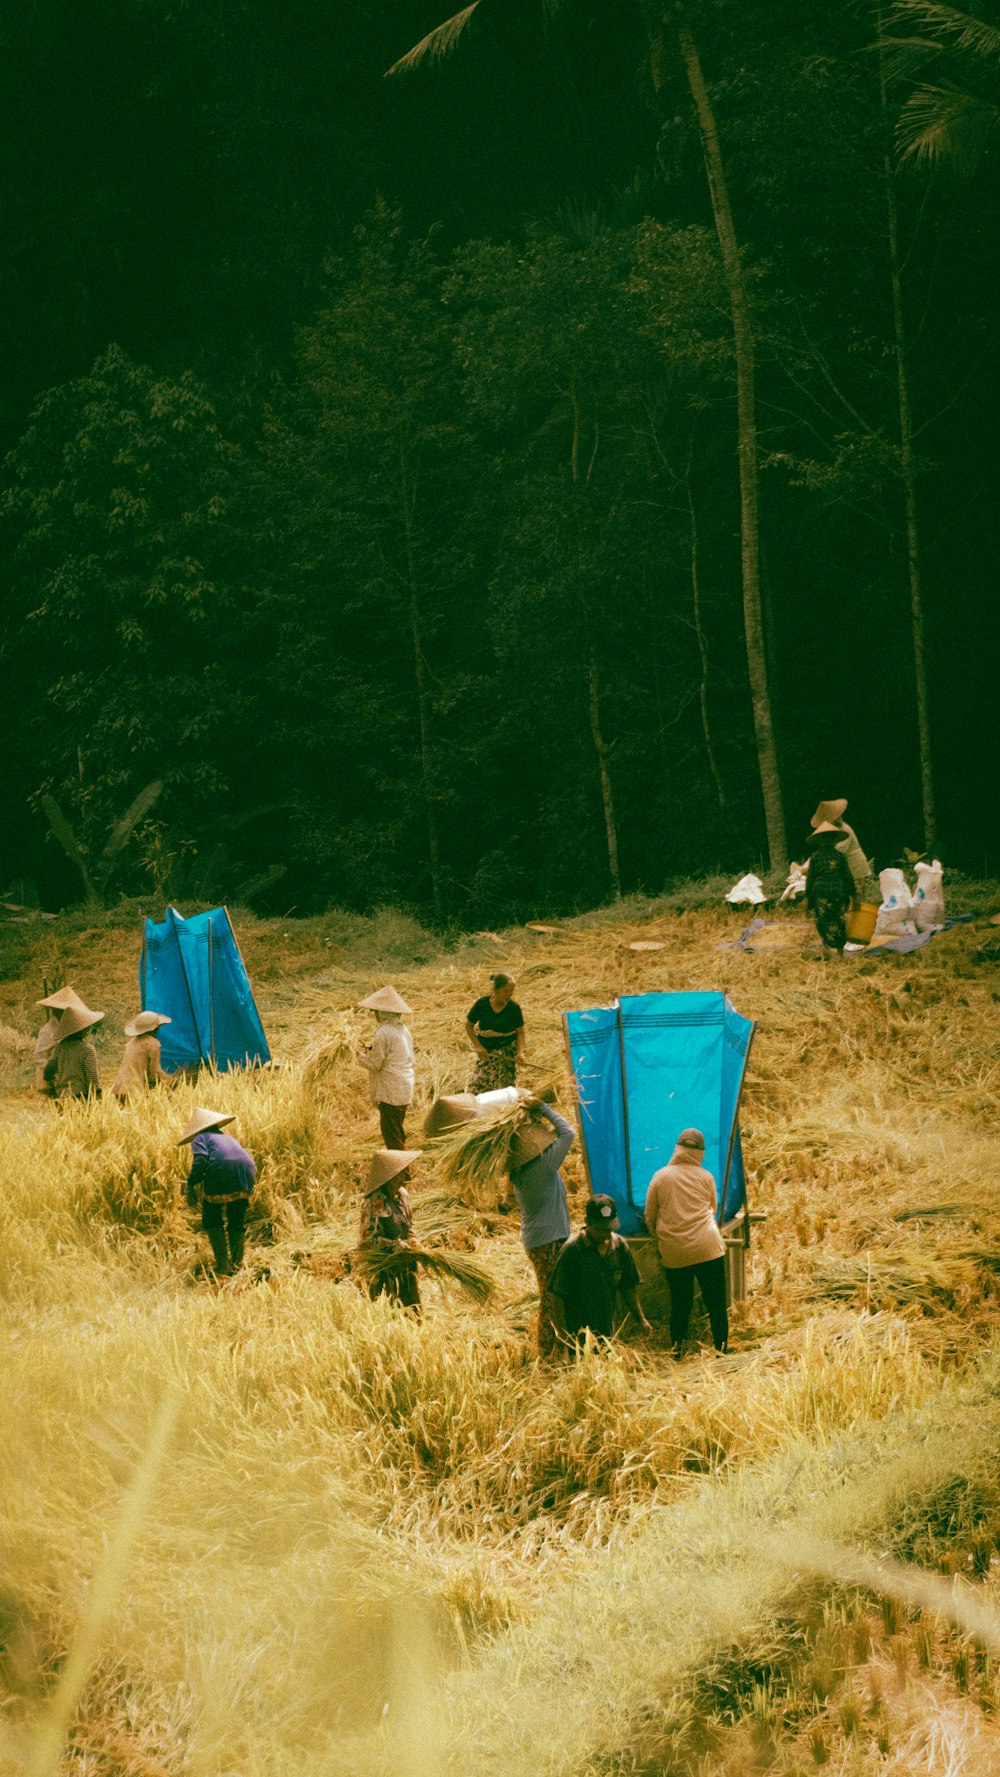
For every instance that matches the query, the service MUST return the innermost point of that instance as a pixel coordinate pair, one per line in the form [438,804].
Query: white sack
[796,884]
[894,913]
[748,892]
[928,903]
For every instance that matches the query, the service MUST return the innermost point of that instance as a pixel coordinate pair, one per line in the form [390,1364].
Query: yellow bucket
[860,922]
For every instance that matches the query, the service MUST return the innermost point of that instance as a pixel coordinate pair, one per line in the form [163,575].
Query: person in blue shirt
[220,1184]
[541,1198]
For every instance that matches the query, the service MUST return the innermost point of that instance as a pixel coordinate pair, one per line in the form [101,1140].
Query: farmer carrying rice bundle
[832,814]
[495,1029]
[72,1069]
[541,1198]
[829,888]
[387,1226]
[140,1067]
[389,1060]
[62,1000]
[220,1184]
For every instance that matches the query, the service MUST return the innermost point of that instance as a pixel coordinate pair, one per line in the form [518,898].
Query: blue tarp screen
[648,1067]
[192,971]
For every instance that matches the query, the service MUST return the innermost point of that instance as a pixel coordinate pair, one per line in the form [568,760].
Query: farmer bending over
[592,1271]
[220,1183]
[829,889]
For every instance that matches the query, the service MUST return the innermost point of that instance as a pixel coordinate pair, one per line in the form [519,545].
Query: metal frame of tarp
[647,1067]
[193,971]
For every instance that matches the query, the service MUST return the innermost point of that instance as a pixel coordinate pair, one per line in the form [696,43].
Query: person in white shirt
[389,1060]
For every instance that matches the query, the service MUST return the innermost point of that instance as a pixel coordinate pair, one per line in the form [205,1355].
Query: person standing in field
[62,1000]
[847,842]
[72,1069]
[495,1029]
[386,1224]
[141,1066]
[389,1061]
[593,1273]
[538,1186]
[220,1184]
[681,1214]
[829,888]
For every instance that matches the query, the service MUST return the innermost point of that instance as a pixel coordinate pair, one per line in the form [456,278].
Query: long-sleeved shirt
[539,1188]
[46,1040]
[386,1217]
[73,1069]
[390,1065]
[140,1064]
[681,1206]
[221,1170]
[849,848]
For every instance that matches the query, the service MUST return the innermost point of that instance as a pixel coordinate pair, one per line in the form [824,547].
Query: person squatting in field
[220,1184]
[541,1198]
[594,1278]
[495,1029]
[141,1066]
[389,1060]
[681,1210]
[829,888]
[72,1069]
[387,1225]
[62,1000]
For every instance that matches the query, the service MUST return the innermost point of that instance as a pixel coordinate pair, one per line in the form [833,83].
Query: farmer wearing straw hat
[141,1061]
[495,1029]
[829,888]
[57,1003]
[389,1061]
[387,1222]
[220,1183]
[681,1211]
[72,1067]
[847,841]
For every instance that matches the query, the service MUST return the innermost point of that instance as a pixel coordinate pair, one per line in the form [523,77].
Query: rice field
[277,1527]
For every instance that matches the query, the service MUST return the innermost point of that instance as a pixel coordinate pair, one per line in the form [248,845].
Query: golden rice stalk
[384,1264]
[475,1157]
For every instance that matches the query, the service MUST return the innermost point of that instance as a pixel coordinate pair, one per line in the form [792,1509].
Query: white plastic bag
[894,913]
[748,892]
[928,903]
[796,884]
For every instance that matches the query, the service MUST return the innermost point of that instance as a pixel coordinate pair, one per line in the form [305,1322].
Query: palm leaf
[959,30]
[438,43]
[67,839]
[945,123]
[130,819]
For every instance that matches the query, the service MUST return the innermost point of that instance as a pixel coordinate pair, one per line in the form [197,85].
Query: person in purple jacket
[220,1184]
[541,1199]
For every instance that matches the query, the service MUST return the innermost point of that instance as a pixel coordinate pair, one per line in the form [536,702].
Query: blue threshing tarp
[648,1067]
[192,971]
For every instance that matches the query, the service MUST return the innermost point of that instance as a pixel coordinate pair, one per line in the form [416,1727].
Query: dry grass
[381,1544]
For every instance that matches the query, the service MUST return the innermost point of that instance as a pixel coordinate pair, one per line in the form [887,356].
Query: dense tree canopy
[371,469]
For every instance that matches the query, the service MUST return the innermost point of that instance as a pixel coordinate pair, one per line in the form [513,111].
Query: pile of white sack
[905,910]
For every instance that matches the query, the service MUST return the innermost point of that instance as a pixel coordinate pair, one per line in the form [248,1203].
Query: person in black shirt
[495,1029]
[829,888]
[594,1268]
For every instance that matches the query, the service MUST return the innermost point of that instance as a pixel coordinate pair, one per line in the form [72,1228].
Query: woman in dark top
[495,1028]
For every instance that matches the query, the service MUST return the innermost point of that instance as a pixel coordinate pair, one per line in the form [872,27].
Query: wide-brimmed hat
[144,1022]
[385,999]
[829,811]
[531,1140]
[202,1119]
[821,832]
[74,1020]
[63,999]
[387,1164]
[449,1111]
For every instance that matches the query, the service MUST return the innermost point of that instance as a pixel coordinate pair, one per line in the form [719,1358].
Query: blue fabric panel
[737,1032]
[204,991]
[596,1063]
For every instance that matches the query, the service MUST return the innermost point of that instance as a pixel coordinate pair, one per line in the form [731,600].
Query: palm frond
[944,123]
[959,30]
[438,43]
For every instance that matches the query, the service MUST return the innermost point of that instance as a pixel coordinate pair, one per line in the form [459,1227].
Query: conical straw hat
[386,1164]
[63,999]
[385,999]
[202,1119]
[822,828]
[829,811]
[76,1019]
[449,1111]
[144,1022]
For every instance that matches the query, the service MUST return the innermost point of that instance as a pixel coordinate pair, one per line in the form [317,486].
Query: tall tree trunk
[423,698]
[746,425]
[601,748]
[700,633]
[908,476]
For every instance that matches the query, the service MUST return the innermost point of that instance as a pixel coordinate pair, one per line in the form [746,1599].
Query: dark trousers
[402,1286]
[224,1223]
[391,1118]
[711,1276]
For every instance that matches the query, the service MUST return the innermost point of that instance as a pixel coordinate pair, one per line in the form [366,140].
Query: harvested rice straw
[475,1157]
[383,1265]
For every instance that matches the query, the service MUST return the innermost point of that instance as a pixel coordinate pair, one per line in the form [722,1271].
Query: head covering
[75,1020]
[531,1140]
[689,1145]
[63,999]
[601,1212]
[823,832]
[145,1022]
[387,1164]
[385,999]
[202,1119]
[449,1111]
[829,811]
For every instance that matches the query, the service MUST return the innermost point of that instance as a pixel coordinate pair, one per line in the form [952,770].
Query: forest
[502,484]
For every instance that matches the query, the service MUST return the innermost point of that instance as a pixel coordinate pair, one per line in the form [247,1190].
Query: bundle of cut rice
[476,1157]
[385,1264]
